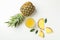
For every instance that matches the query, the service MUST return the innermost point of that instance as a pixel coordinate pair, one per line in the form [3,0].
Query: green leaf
[36,31]
[16,20]
[32,30]
[7,22]
[16,24]
[46,20]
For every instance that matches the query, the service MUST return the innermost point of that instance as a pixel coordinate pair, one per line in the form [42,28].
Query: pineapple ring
[41,23]
[49,30]
[30,23]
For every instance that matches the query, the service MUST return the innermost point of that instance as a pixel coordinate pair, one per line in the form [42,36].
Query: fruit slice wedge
[30,23]
[41,23]
[41,34]
[49,30]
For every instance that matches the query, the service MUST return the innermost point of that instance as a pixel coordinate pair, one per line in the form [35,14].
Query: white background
[49,9]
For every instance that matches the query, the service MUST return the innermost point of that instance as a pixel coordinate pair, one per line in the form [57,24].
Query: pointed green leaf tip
[16,20]
[36,31]
[32,30]
[46,20]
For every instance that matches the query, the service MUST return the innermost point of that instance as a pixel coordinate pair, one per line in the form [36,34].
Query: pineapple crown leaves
[16,20]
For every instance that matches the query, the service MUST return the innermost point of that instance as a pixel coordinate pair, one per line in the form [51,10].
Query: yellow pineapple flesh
[41,34]
[30,22]
[41,23]
[49,30]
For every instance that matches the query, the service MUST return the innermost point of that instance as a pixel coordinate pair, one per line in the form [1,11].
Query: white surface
[49,9]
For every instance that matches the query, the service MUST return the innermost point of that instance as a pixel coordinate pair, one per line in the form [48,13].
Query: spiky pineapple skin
[27,9]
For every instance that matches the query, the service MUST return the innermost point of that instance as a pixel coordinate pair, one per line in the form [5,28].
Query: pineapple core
[30,22]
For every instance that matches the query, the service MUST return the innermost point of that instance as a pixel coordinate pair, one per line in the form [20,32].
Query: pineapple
[49,30]
[27,9]
[30,22]
[41,23]
[41,34]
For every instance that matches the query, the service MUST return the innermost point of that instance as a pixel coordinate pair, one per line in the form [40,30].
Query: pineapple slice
[41,23]
[41,34]
[49,30]
[30,22]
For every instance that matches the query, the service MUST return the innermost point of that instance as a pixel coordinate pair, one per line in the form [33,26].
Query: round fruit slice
[41,23]
[30,22]
[41,34]
[49,30]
